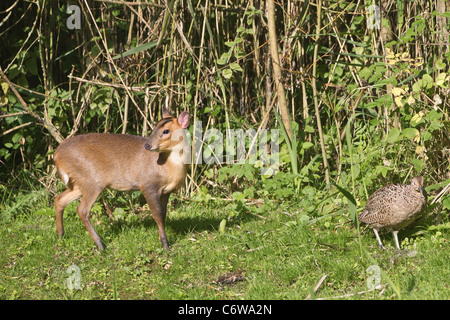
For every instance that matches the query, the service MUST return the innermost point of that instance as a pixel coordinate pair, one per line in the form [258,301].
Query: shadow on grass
[179,223]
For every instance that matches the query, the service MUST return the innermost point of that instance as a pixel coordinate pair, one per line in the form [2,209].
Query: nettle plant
[414,108]
[420,105]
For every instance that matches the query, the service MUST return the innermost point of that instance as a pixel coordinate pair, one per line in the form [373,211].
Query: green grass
[273,252]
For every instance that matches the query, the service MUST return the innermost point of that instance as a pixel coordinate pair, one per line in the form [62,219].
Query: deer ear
[183,120]
[165,112]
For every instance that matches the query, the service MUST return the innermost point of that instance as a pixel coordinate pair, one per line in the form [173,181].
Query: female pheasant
[393,207]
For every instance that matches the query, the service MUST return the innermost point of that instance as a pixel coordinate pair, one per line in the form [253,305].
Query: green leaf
[238,196]
[418,164]
[32,66]
[365,73]
[383,170]
[142,47]
[410,133]
[4,86]
[390,80]
[224,57]
[309,129]
[45,212]
[222,61]
[351,202]
[440,64]
[446,202]
[16,137]
[236,67]
[433,115]
[356,170]
[416,87]
[375,77]
[227,73]
[222,225]
[248,174]
[393,135]
[230,44]
[222,176]
[427,136]
[250,31]
[428,80]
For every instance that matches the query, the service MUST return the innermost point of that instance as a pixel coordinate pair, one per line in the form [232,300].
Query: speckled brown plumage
[393,207]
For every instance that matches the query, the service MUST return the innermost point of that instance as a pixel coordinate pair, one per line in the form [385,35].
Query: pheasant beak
[420,189]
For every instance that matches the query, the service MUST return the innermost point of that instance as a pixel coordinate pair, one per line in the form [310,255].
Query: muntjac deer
[91,162]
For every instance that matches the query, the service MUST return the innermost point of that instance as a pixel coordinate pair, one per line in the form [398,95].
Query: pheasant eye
[166,131]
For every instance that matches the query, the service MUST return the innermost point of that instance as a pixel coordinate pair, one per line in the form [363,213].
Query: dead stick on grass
[381,288]
[317,286]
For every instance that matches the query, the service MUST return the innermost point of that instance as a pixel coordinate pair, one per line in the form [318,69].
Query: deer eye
[166,131]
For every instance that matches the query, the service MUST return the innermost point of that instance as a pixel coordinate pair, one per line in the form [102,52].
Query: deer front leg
[157,203]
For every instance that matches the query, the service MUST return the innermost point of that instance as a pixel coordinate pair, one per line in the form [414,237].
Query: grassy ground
[271,252]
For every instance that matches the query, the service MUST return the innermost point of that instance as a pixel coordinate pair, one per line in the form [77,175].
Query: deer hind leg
[84,209]
[61,201]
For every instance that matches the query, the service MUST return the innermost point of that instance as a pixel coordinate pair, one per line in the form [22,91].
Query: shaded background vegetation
[367,103]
